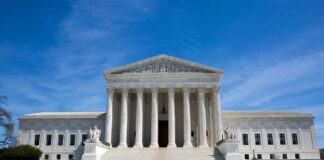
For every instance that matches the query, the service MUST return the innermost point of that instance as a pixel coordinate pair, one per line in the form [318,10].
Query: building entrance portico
[163,100]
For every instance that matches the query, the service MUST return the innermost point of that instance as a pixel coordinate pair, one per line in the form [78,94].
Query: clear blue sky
[53,53]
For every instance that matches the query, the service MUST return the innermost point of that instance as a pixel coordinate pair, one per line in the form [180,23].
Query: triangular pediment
[163,64]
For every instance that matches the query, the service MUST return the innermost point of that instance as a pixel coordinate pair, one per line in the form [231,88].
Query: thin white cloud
[285,77]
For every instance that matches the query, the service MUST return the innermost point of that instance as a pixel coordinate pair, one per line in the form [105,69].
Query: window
[245,139]
[270,139]
[192,133]
[259,156]
[282,139]
[58,156]
[46,156]
[297,156]
[84,137]
[48,139]
[207,133]
[72,139]
[284,156]
[257,139]
[272,156]
[70,156]
[37,137]
[60,139]
[246,156]
[294,138]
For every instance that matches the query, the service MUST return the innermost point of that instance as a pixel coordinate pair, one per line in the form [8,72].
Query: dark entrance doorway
[163,133]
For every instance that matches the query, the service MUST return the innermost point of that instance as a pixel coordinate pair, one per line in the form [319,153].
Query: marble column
[109,118]
[202,119]
[186,118]
[154,120]
[217,115]
[171,116]
[139,118]
[123,120]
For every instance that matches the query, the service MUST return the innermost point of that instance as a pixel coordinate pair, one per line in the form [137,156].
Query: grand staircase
[162,154]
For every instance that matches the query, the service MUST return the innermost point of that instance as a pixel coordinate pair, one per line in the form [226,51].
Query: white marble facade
[168,102]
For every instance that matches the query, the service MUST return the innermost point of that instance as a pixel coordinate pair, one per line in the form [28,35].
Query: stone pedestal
[229,150]
[94,150]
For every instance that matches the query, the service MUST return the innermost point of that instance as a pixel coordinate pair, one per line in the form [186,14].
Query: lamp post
[253,157]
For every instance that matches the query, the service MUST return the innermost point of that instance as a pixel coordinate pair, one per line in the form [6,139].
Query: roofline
[62,115]
[245,115]
[161,56]
[265,115]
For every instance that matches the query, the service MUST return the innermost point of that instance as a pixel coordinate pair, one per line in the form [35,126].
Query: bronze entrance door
[163,133]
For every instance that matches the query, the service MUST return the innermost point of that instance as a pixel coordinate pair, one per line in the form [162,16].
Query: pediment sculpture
[163,66]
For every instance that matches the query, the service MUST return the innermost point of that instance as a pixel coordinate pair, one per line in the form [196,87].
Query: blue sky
[53,53]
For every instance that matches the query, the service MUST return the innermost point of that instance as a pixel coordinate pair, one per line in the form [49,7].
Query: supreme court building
[164,107]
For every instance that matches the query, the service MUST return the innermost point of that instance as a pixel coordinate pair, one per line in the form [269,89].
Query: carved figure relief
[163,65]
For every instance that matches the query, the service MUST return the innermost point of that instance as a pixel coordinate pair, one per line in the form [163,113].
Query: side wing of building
[58,134]
[273,134]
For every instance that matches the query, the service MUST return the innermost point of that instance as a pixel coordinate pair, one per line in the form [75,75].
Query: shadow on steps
[218,155]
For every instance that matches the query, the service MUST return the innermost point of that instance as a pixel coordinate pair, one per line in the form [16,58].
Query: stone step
[162,154]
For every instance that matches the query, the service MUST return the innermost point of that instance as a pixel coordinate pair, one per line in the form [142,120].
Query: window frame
[270,137]
[245,141]
[284,156]
[257,136]
[297,156]
[83,139]
[72,139]
[49,140]
[46,157]
[259,156]
[294,138]
[59,140]
[282,138]
[37,137]
[246,156]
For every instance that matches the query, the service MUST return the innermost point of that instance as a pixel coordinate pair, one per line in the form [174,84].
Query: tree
[22,152]
[6,125]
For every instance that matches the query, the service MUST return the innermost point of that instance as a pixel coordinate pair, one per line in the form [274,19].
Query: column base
[172,145]
[138,146]
[204,145]
[154,145]
[123,145]
[187,146]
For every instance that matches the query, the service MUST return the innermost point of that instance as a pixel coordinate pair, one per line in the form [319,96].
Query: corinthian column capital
[217,89]
[201,91]
[171,91]
[155,91]
[125,91]
[109,90]
[139,90]
[186,91]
